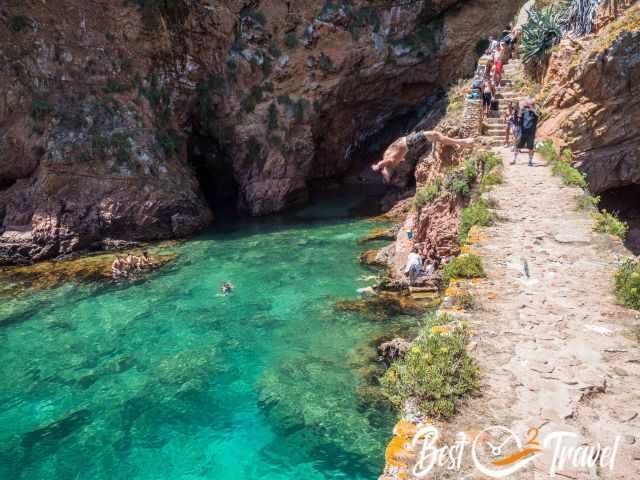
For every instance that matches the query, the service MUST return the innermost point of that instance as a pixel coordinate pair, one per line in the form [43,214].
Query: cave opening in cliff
[6,183]
[625,203]
[374,139]
[214,171]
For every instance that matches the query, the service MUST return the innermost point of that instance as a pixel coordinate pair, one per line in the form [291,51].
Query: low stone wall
[472,118]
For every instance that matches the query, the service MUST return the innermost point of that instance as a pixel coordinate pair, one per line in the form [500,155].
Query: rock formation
[592,90]
[128,120]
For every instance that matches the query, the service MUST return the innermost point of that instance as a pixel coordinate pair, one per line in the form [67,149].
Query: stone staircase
[494,126]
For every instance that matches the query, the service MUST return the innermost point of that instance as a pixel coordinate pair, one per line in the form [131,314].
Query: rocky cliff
[592,91]
[130,120]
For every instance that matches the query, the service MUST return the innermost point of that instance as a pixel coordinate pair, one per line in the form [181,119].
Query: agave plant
[542,31]
[581,16]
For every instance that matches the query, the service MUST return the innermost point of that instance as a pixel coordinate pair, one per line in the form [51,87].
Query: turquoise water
[165,379]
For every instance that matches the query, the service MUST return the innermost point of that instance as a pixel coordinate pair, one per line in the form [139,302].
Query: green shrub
[159,98]
[267,66]
[250,101]
[272,122]
[207,106]
[274,50]
[608,223]
[325,62]
[118,145]
[547,150]
[300,107]
[562,164]
[18,23]
[284,100]
[467,265]
[477,213]
[490,160]
[257,17]
[470,170]
[492,178]
[588,202]
[256,153]
[437,371]
[628,284]
[115,86]
[169,141]
[426,194]
[460,186]
[40,109]
[540,34]
[290,40]
[110,37]
[570,176]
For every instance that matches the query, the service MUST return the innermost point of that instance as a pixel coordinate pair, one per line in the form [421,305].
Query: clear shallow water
[165,379]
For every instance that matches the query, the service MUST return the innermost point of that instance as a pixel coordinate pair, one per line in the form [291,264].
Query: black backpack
[529,119]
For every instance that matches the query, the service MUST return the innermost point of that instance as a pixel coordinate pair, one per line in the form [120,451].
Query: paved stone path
[555,348]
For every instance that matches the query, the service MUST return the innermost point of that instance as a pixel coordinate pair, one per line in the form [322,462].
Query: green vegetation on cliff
[628,284]
[477,213]
[467,265]
[436,371]
[607,222]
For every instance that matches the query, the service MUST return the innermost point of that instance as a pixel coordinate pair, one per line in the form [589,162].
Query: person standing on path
[528,127]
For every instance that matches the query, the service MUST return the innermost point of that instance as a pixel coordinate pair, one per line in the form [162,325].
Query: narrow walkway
[555,349]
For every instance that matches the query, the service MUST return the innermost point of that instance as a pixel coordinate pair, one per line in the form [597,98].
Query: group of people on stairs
[521,121]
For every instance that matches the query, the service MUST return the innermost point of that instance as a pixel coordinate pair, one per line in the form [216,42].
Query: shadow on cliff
[214,171]
[624,202]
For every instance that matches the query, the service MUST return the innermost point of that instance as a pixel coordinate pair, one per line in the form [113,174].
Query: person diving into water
[398,150]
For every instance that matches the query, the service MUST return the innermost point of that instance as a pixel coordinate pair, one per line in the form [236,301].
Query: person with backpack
[528,127]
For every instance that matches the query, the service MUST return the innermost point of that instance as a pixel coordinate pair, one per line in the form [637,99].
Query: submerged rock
[56,431]
[50,274]
[378,234]
[382,307]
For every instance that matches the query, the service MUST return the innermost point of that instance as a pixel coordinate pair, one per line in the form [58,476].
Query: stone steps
[494,122]
[510,97]
[492,141]
[492,132]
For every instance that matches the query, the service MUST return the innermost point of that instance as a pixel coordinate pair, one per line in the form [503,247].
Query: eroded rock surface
[594,97]
[108,109]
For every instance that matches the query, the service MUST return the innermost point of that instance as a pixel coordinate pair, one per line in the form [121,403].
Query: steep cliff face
[593,92]
[129,120]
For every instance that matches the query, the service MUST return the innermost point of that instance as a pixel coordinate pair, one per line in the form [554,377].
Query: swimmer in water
[226,288]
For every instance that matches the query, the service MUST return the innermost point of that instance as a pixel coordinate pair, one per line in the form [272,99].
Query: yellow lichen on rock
[399,454]
[466,249]
[475,236]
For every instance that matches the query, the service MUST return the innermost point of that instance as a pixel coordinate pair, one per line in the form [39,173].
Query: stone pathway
[555,349]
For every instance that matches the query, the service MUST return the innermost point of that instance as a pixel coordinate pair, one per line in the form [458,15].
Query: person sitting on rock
[145,260]
[131,262]
[414,266]
[397,151]
[118,267]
